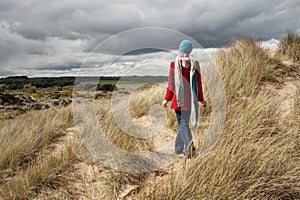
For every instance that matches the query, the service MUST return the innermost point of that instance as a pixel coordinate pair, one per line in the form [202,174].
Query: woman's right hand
[164,103]
[203,104]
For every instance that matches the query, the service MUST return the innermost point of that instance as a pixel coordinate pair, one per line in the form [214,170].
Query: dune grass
[23,137]
[245,67]
[40,173]
[290,47]
[254,158]
[142,101]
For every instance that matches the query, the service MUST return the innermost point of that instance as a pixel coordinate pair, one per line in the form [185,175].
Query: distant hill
[18,82]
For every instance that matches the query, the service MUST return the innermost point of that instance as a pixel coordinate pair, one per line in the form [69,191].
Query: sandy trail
[163,140]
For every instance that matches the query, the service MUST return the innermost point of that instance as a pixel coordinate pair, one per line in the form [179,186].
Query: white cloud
[271,45]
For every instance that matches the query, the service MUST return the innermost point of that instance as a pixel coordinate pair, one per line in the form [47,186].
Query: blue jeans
[184,136]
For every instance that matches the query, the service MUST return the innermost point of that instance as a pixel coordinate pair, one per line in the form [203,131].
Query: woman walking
[184,91]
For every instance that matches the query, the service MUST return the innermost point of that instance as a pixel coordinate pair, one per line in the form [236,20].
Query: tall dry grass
[22,138]
[43,172]
[118,136]
[142,101]
[245,67]
[290,47]
[255,157]
[27,170]
[25,166]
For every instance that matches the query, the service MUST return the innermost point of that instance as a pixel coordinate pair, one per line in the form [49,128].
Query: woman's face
[185,59]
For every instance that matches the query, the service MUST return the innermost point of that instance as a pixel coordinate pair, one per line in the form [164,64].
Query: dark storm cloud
[33,28]
[31,31]
[210,20]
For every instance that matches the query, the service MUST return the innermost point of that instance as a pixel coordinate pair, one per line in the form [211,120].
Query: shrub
[105,87]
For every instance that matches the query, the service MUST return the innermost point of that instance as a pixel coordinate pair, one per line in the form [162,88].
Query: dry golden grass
[245,67]
[23,137]
[40,173]
[25,167]
[116,134]
[254,158]
[290,47]
[29,169]
[142,100]
[289,52]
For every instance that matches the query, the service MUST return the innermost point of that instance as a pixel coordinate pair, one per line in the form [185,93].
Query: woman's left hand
[164,103]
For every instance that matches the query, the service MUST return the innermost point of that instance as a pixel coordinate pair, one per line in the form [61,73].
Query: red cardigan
[170,94]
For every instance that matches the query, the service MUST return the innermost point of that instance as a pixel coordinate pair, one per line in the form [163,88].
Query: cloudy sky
[55,38]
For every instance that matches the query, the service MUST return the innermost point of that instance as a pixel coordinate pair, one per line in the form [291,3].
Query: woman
[185,91]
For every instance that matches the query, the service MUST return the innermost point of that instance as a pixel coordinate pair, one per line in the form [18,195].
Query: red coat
[170,94]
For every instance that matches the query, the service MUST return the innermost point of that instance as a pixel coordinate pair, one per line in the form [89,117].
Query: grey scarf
[179,89]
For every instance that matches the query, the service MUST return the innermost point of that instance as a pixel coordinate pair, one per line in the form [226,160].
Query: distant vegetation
[20,94]
[18,82]
[100,83]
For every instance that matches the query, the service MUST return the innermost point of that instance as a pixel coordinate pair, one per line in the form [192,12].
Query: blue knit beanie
[186,46]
